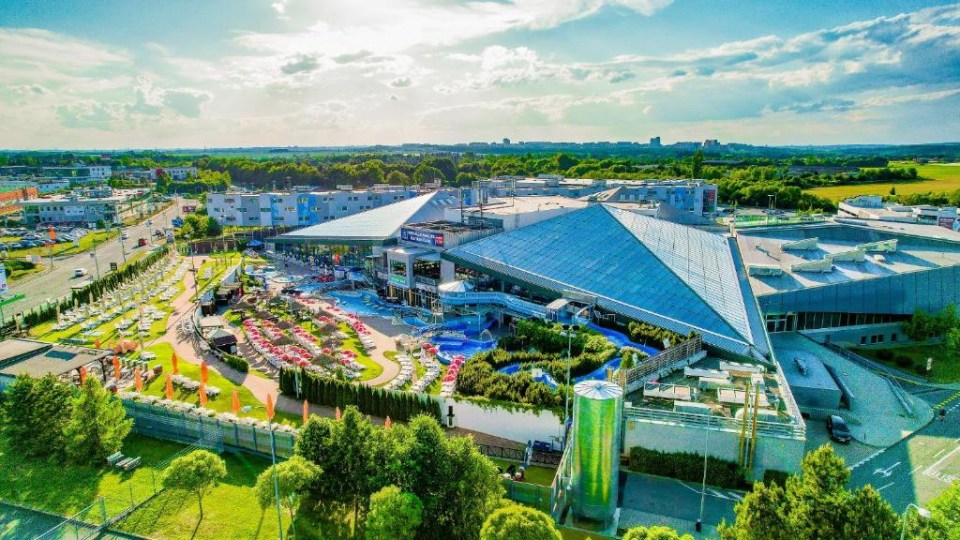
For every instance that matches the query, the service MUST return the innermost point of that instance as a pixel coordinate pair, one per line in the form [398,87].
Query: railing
[534,495]
[560,494]
[791,430]
[505,300]
[546,459]
[869,364]
[901,396]
[663,360]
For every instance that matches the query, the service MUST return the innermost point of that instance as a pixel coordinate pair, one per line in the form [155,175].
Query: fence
[534,495]
[181,426]
[793,429]
[632,378]
[546,459]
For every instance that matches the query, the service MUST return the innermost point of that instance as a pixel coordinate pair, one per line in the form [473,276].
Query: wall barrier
[186,427]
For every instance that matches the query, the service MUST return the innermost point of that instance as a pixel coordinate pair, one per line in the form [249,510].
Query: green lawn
[353,343]
[934,178]
[65,490]
[158,328]
[945,369]
[222,403]
[534,474]
[20,274]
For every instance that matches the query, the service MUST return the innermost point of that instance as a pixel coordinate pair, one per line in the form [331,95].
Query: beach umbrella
[270,411]
[387,423]
[96,343]
[236,402]
[58,313]
[90,298]
[306,412]
[137,379]
[336,413]
[83,374]
[116,368]
[204,374]
[203,395]
[169,391]
[176,364]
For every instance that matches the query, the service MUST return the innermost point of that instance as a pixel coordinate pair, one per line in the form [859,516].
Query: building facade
[298,209]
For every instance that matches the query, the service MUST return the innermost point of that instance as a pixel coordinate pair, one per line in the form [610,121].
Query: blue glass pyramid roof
[667,274]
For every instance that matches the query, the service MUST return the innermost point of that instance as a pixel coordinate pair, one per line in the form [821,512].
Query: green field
[935,178]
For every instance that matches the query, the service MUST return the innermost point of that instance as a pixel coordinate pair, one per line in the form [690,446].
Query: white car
[124,236]
[80,272]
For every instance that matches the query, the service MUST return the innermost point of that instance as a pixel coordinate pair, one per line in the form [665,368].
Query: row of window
[789,322]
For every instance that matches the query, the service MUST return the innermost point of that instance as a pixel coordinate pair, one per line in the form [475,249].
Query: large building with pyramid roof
[669,275]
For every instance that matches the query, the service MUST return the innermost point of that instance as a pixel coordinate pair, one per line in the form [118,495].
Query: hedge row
[687,466]
[238,363]
[400,406]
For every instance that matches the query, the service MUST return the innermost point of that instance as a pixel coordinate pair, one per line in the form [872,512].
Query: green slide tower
[597,420]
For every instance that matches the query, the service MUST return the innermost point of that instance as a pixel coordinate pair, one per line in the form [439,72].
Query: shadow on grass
[323,521]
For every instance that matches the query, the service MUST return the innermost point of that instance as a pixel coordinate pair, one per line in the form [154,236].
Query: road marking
[886,486]
[947,400]
[937,475]
[735,495]
[942,450]
[868,458]
[716,493]
[888,471]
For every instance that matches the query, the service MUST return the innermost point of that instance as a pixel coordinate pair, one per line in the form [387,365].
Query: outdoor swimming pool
[362,303]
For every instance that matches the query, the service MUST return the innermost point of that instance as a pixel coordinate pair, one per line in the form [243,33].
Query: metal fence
[546,459]
[533,495]
[180,426]
[633,377]
[794,429]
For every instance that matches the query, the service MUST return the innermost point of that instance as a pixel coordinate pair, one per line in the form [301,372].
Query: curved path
[187,349]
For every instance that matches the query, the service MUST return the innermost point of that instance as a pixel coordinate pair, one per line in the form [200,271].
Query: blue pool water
[363,303]
[544,377]
[449,347]
[619,339]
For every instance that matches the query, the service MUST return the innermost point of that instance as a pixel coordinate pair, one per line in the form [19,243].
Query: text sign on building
[427,238]
[399,281]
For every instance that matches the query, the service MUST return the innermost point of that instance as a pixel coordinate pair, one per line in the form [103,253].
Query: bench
[131,464]
[112,459]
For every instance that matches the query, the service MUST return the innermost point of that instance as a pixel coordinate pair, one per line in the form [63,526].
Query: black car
[837,427]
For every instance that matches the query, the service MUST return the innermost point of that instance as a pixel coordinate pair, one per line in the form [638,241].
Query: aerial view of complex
[479,270]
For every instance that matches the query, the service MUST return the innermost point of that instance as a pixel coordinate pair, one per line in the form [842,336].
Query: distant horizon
[279,73]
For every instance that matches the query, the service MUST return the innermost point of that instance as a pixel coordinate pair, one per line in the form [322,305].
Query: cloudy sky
[195,73]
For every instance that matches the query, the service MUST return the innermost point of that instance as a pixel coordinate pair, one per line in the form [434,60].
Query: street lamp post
[703,486]
[921,511]
[570,329]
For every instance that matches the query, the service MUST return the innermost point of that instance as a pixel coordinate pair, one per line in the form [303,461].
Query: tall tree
[97,426]
[35,412]
[696,170]
[515,522]
[293,477]
[394,515]
[398,178]
[814,505]
[197,472]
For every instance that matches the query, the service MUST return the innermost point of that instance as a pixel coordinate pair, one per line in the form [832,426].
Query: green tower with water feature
[597,421]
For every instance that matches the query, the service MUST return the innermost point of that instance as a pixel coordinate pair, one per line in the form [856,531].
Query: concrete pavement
[653,500]
[56,282]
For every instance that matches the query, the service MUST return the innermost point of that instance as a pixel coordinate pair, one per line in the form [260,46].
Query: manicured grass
[534,474]
[20,274]
[158,328]
[222,403]
[353,343]
[229,510]
[935,178]
[66,489]
[945,369]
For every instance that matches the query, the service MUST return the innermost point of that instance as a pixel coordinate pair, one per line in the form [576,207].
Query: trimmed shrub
[884,355]
[687,466]
[771,476]
[903,361]
[238,363]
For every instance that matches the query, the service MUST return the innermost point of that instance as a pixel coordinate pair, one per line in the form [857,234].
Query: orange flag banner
[96,343]
[53,233]
[169,391]
[336,414]
[83,374]
[236,402]
[306,412]
[387,423]
[204,372]
[138,380]
[203,395]
[270,411]
[175,362]
[116,368]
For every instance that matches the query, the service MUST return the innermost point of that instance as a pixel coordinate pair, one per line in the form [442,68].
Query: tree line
[321,390]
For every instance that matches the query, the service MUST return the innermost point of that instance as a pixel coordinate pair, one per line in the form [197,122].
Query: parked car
[80,272]
[837,427]
[124,236]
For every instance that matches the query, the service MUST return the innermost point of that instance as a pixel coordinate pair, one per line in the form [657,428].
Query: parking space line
[886,486]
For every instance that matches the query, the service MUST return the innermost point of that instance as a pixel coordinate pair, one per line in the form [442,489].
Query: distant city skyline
[225,73]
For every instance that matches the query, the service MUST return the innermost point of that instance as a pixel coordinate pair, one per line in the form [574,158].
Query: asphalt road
[56,282]
[653,499]
[917,468]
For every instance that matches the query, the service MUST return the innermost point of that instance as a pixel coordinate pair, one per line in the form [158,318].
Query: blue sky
[178,73]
